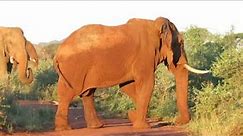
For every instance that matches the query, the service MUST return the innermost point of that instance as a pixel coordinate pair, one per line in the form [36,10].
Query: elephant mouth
[197,71]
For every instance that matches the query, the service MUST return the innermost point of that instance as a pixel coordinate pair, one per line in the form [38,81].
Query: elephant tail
[59,72]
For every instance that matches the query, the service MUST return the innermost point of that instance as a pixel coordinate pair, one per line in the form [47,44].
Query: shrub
[218,112]
[43,88]
[112,102]
[217,109]
[163,101]
[30,119]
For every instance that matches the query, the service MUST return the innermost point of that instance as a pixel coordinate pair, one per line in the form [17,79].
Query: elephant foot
[95,125]
[132,115]
[182,120]
[141,125]
[61,128]
[61,123]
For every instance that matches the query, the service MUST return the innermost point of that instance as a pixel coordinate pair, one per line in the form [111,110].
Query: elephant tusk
[33,60]
[54,102]
[12,59]
[197,71]
[27,73]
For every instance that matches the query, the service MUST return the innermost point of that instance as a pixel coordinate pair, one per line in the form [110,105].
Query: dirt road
[113,127]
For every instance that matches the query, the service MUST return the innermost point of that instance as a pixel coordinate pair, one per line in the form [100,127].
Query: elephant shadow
[162,124]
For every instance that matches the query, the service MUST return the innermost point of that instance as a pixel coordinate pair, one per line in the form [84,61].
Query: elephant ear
[5,50]
[166,37]
[181,58]
[173,40]
[177,45]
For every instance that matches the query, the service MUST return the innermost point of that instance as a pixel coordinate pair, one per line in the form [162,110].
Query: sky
[44,21]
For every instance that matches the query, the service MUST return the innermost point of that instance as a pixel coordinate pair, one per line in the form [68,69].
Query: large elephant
[13,47]
[97,56]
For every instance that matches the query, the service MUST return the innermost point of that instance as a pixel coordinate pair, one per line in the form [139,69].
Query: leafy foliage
[43,88]
[163,102]
[217,109]
[112,102]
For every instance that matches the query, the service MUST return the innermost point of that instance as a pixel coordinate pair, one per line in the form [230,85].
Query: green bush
[43,88]
[202,48]
[31,119]
[112,102]
[3,107]
[163,101]
[218,109]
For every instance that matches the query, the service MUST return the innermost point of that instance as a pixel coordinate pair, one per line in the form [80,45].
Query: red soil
[113,127]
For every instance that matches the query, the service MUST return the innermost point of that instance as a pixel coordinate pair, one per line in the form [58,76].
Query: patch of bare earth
[112,127]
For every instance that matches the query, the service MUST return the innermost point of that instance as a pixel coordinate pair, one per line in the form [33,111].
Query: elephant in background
[13,47]
[98,56]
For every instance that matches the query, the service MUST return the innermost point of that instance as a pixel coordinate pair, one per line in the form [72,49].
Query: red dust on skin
[98,56]
[112,127]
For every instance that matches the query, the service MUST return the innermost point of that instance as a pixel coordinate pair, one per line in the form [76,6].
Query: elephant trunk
[25,74]
[181,77]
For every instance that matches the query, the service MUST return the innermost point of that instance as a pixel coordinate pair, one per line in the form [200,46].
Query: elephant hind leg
[90,114]
[130,89]
[65,96]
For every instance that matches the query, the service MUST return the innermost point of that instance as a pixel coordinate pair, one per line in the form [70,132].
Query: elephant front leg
[65,96]
[144,89]
[89,111]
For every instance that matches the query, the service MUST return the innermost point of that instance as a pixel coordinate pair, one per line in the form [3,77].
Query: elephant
[13,46]
[98,56]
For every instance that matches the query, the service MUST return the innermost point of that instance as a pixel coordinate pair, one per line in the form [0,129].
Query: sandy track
[113,127]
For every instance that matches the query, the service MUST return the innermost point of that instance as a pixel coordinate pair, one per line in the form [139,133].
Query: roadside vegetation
[215,99]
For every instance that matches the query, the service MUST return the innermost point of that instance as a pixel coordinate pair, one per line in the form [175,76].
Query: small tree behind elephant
[97,56]
[13,47]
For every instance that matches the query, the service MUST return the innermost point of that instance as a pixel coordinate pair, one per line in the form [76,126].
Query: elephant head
[14,48]
[32,58]
[172,52]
